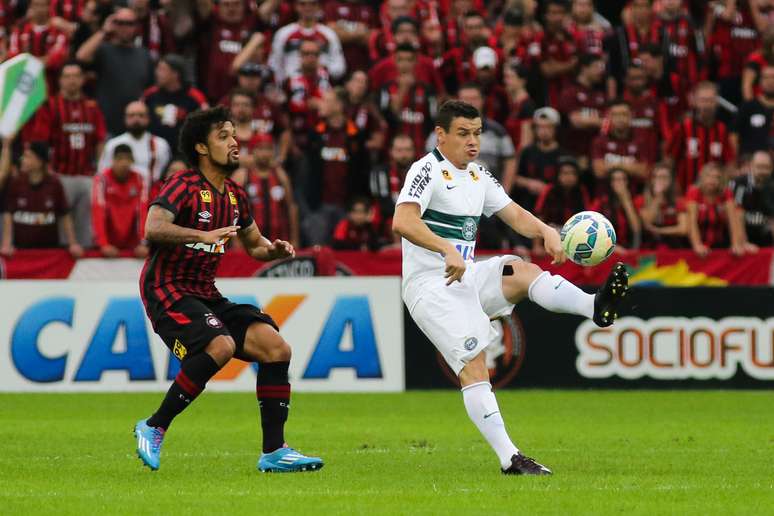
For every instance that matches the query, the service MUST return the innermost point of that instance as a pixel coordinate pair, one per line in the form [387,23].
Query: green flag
[23,90]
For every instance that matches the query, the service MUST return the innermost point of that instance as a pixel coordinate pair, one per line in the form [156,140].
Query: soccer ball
[588,238]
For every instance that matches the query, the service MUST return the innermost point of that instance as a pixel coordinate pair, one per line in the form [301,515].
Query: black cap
[40,149]
[177,63]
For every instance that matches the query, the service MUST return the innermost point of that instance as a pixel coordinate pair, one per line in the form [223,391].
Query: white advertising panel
[346,335]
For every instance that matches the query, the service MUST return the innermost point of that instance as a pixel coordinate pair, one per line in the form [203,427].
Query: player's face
[222,147]
[463,141]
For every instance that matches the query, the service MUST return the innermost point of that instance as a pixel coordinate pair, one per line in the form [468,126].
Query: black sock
[273,393]
[194,374]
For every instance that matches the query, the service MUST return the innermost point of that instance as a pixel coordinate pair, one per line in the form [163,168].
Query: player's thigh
[189,327]
[452,318]
[255,333]
[515,284]
[499,291]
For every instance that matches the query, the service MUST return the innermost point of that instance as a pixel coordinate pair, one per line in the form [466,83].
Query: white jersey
[451,202]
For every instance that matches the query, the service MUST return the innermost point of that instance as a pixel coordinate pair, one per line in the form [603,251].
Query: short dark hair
[403,20]
[123,148]
[452,109]
[473,14]
[71,62]
[560,3]
[652,49]
[195,129]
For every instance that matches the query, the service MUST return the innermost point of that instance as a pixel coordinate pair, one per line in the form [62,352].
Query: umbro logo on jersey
[204,216]
[451,187]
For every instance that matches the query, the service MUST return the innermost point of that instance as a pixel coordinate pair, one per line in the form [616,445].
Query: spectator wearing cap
[754,193]
[267,116]
[582,103]
[408,105]
[35,207]
[700,137]
[458,67]
[304,90]
[489,78]
[539,161]
[386,70]
[561,199]
[558,51]
[270,192]
[386,180]
[589,27]
[337,168]
[364,112]
[285,58]
[754,129]
[119,204]
[662,210]
[352,21]
[36,35]
[171,99]
[520,107]
[626,42]
[73,126]
[616,204]
[221,33]
[619,147]
[155,29]
[150,153]
[123,70]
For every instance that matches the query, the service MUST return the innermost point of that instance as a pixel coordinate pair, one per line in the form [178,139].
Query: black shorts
[191,323]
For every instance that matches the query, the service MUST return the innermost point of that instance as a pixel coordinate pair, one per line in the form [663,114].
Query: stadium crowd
[657,114]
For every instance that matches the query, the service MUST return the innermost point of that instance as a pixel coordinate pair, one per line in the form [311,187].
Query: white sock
[556,294]
[481,404]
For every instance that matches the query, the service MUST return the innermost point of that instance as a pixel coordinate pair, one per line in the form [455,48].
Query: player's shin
[481,404]
[194,374]
[556,294]
[273,393]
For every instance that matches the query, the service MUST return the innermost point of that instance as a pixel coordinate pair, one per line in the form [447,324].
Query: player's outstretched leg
[263,344]
[556,294]
[194,374]
[483,410]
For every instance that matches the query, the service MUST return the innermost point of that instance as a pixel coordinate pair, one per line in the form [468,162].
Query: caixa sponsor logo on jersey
[677,348]
[57,339]
[217,248]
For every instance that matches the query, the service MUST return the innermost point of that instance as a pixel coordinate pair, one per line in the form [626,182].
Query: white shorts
[456,318]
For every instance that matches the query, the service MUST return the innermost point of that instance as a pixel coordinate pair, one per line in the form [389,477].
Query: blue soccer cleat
[149,440]
[288,460]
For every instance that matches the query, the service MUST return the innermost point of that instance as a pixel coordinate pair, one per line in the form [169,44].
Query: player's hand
[217,236]
[76,251]
[280,249]
[553,245]
[109,251]
[455,267]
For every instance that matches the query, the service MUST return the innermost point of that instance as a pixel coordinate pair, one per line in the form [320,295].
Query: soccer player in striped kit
[189,224]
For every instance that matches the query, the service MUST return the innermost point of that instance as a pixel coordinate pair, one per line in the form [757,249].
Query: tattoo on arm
[160,228]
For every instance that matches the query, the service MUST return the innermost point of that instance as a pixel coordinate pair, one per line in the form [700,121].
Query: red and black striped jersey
[70,10]
[692,145]
[171,272]
[269,200]
[74,129]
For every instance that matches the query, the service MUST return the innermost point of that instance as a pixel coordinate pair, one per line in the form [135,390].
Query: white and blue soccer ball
[588,238]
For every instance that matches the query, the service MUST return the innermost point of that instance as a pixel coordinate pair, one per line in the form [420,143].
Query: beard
[136,130]
[228,166]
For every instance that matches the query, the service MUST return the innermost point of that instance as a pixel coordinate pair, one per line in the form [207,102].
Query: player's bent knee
[221,349]
[474,371]
[516,285]
[264,344]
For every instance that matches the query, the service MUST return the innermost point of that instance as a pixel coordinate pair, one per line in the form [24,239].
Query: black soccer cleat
[609,297]
[523,465]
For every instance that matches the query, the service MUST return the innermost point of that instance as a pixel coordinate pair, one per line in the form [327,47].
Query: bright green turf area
[612,452]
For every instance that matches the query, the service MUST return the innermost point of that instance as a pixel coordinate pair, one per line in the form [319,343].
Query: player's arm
[261,248]
[525,223]
[407,223]
[161,229]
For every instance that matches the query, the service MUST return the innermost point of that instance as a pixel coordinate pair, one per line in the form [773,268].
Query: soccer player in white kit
[454,299]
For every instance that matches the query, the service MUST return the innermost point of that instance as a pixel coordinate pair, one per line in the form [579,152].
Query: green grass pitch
[635,452]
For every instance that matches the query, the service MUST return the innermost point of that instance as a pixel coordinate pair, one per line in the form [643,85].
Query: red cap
[262,139]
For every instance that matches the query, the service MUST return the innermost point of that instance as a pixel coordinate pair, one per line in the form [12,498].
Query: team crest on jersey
[469,229]
[179,350]
[232,198]
[206,195]
[473,175]
[471,343]
[446,175]
[212,321]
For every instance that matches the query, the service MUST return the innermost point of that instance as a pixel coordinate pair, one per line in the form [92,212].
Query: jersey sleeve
[418,187]
[495,198]
[173,195]
[245,208]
